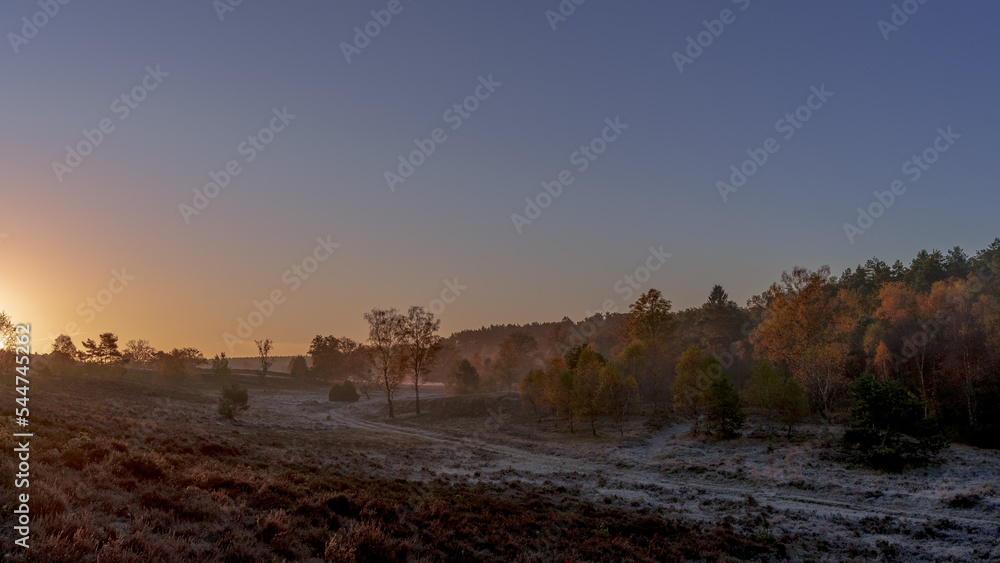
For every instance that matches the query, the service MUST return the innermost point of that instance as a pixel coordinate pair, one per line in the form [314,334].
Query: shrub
[889,430]
[232,399]
[344,392]
[723,411]
[364,542]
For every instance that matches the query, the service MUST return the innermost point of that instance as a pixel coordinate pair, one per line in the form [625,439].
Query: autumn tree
[558,390]
[648,366]
[585,386]
[386,338]
[420,345]
[513,359]
[896,342]
[616,392]
[533,392]
[649,318]
[807,328]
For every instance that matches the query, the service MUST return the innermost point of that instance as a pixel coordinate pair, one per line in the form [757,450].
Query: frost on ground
[797,491]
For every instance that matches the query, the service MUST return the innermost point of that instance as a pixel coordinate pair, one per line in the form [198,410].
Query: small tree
[220,367]
[506,366]
[139,354]
[888,428]
[649,318]
[64,355]
[723,413]
[533,392]
[386,333]
[695,373]
[298,367]
[585,400]
[421,345]
[463,378]
[264,353]
[232,399]
[781,399]
[616,392]
[327,357]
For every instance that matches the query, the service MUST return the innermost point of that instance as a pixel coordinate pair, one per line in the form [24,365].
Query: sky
[312,115]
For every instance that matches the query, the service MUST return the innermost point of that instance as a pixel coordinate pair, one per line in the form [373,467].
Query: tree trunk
[416,389]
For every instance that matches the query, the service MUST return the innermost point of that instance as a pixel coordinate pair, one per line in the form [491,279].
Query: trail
[637,479]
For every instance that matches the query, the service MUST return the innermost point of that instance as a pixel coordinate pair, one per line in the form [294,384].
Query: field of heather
[139,470]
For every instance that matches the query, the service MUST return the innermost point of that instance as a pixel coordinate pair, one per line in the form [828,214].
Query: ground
[294,477]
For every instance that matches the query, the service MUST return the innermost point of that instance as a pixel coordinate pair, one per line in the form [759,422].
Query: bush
[723,411]
[888,428]
[364,542]
[344,392]
[234,398]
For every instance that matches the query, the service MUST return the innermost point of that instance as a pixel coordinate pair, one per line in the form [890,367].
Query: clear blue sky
[323,175]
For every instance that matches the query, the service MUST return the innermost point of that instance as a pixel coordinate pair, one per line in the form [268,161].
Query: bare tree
[264,351]
[385,336]
[420,345]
